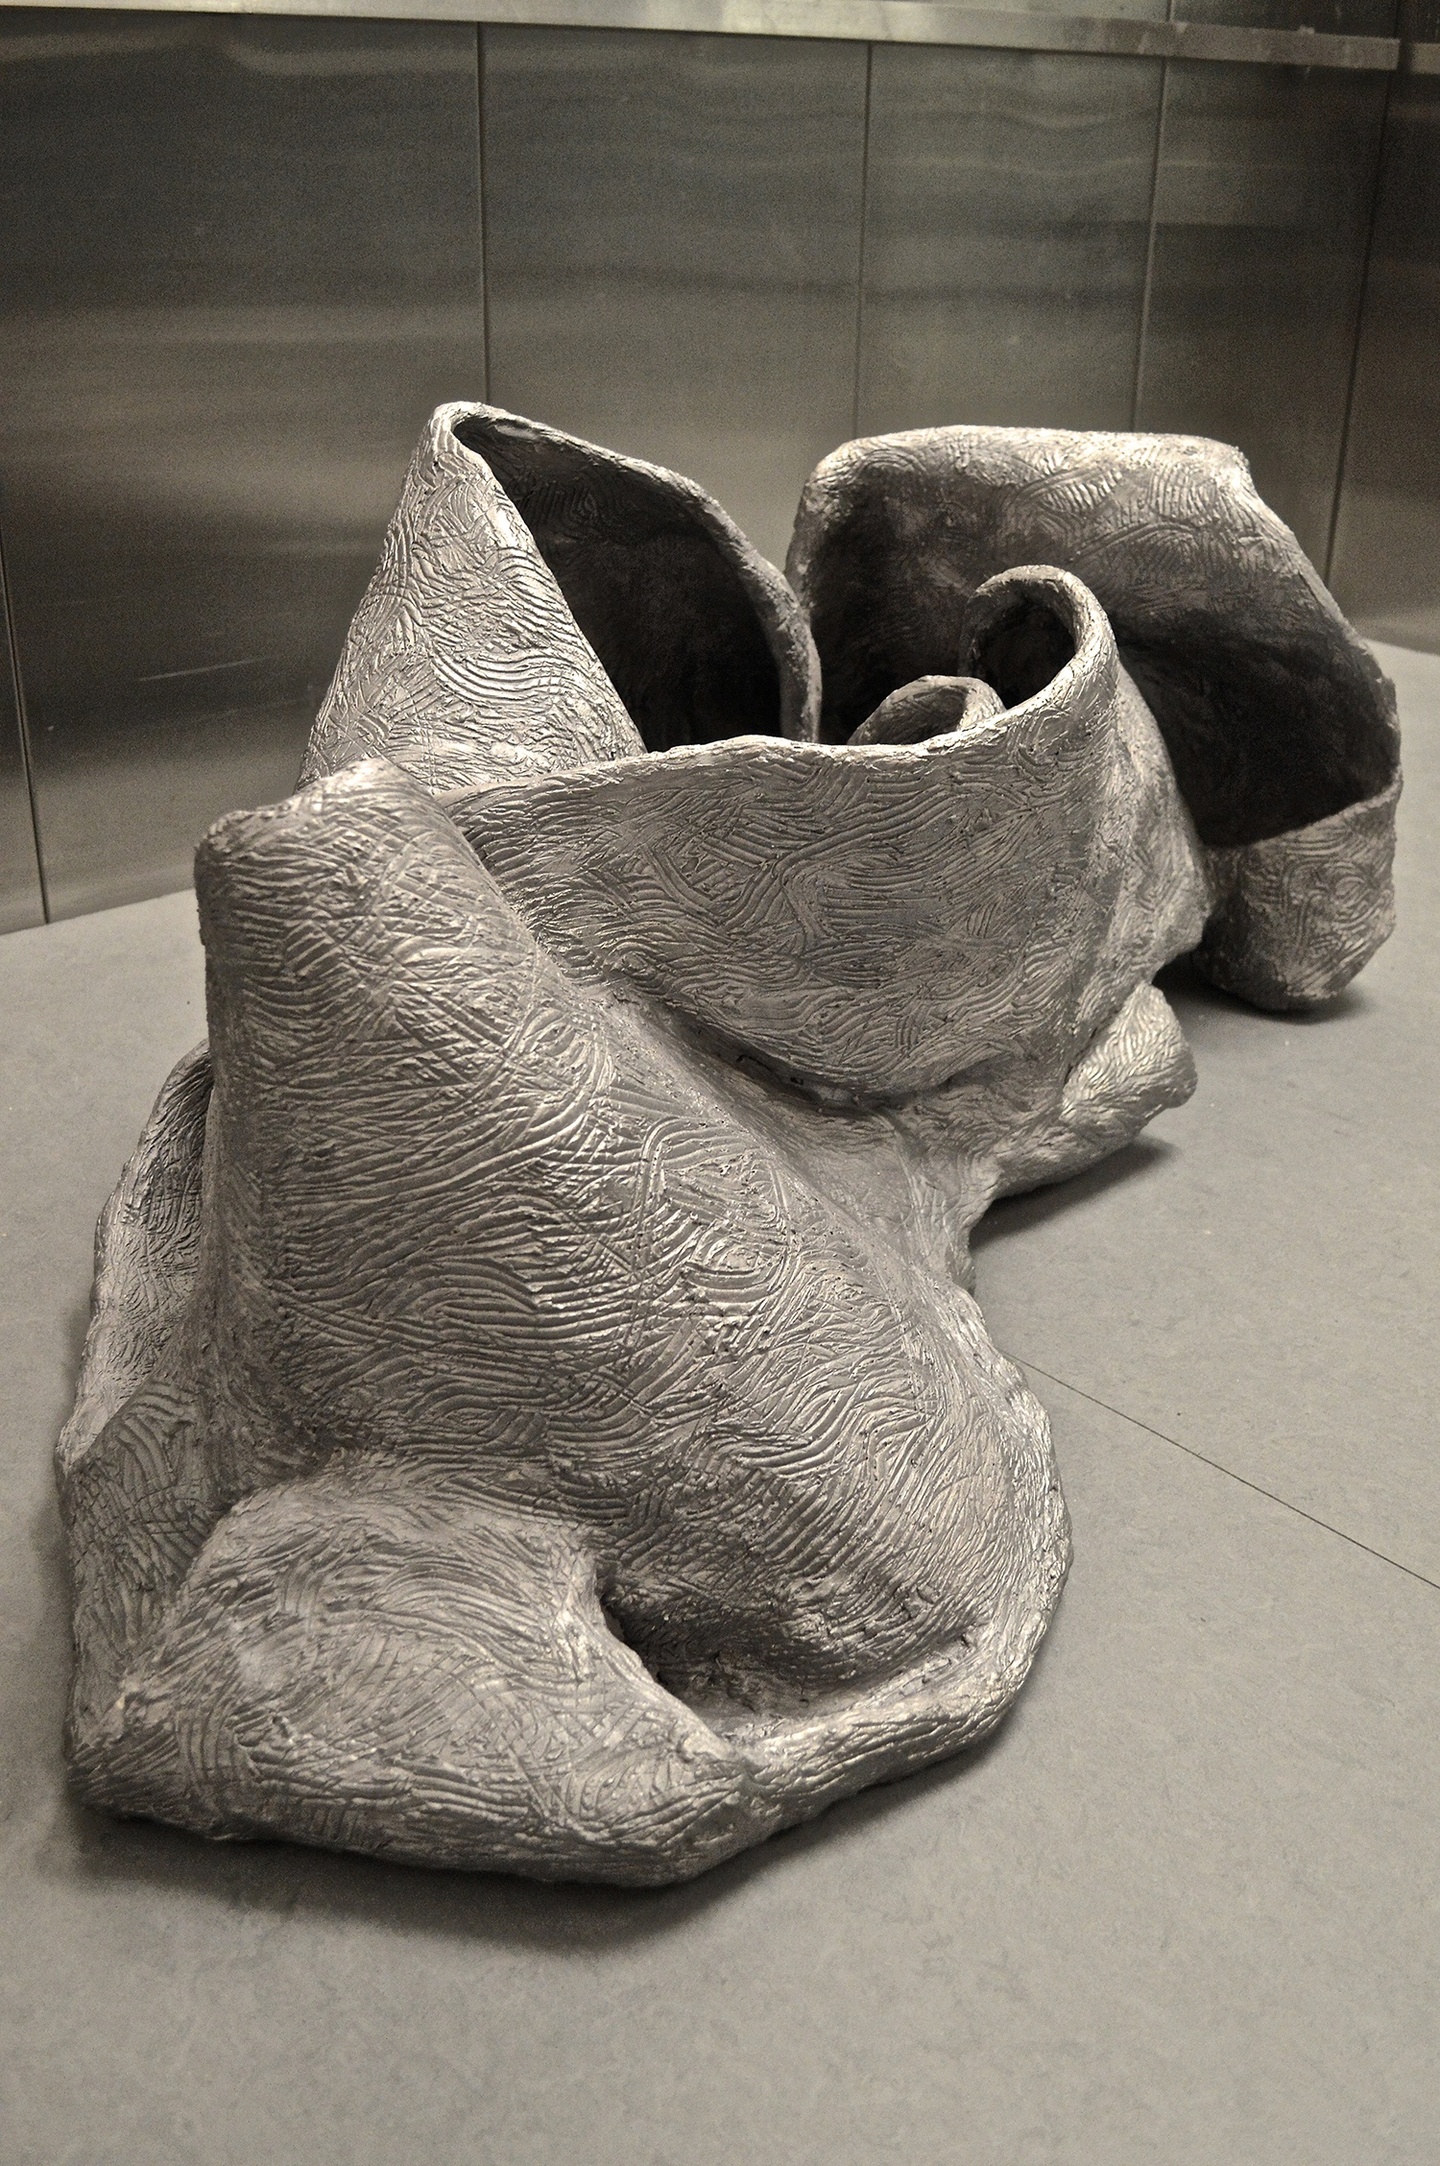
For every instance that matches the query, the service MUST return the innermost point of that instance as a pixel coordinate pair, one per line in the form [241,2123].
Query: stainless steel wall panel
[672,248]
[21,899]
[1262,218]
[1330,18]
[1050,26]
[1007,227]
[1386,565]
[239,263]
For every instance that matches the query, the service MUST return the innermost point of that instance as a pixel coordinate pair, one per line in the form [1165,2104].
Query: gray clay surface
[533,1415]
[1278,721]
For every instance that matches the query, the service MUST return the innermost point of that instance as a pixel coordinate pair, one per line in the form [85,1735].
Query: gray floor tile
[1184,1908]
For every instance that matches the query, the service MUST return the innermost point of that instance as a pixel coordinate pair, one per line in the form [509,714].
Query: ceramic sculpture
[533,1415]
[1278,722]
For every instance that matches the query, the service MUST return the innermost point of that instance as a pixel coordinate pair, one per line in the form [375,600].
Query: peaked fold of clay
[515,553]
[1279,723]
[700,635]
[463,660]
[544,1472]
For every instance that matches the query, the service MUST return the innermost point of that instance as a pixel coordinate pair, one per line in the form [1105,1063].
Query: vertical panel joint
[860,254]
[22,726]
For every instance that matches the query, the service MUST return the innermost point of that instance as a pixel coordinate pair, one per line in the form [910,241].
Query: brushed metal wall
[1262,213]
[672,229]
[1006,236]
[22,899]
[241,259]
[240,262]
[1386,563]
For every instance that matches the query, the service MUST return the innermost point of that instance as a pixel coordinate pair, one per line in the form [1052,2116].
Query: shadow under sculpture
[533,1415]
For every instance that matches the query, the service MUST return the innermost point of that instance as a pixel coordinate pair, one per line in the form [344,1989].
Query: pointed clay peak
[464,663]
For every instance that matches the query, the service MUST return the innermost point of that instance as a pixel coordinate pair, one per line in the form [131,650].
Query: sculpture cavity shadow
[534,1415]
[1128,1168]
[1182,982]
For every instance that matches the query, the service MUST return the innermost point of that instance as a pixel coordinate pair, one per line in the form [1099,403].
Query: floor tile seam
[1219,1467]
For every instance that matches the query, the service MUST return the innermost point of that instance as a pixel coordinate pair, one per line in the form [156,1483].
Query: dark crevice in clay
[653,590]
[1023,650]
[687,1680]
[1263,738]
[697,1660]
[1271,716]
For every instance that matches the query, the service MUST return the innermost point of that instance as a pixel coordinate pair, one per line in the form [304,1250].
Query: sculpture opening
[698,634]
[1273,712]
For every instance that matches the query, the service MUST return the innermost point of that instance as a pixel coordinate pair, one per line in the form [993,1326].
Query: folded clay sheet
[1278,721]
[533,1416]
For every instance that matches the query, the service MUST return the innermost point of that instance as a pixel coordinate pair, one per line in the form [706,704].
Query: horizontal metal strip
[880,22]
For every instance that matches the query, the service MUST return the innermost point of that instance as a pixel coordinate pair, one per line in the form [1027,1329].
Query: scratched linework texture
[534,1416]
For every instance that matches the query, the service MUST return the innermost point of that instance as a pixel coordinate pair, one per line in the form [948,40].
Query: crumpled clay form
[1279,724]
[514,1328]
[533,1416]
[880,918]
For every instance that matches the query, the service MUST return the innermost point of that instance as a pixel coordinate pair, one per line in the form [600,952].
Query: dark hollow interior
[1021,650]
[726,1656]
[1264,736]
[1268,729]
[654,592]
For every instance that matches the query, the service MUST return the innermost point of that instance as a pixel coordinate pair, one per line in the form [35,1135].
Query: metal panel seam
[860,253]
[484,224]
[1343,452]
[1143,333]
[22,725]
[908,22]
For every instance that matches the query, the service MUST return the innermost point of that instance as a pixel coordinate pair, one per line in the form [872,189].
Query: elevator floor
[1185,1907]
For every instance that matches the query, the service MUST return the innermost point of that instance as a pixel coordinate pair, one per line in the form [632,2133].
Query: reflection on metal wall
[1006,233]
[1386,565]
[672,246]
[240,260]
[22,901]
[1262,214]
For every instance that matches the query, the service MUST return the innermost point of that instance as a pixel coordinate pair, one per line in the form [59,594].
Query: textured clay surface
[533,1415]
[1279,724]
